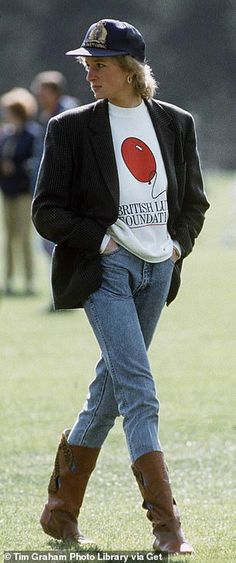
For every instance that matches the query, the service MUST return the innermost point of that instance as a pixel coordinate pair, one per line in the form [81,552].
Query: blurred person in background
[18,136]
[120,192]
[49,88]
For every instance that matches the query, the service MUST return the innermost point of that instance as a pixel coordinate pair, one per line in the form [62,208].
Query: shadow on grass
[94,549]
[73,545]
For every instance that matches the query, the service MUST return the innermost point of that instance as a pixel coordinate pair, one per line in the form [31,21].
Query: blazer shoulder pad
[74,113]
[174,110]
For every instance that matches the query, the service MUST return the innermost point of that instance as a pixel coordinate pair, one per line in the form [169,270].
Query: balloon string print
[140,161]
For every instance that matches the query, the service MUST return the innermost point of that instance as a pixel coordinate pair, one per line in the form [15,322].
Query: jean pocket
[107,254]
[172,261]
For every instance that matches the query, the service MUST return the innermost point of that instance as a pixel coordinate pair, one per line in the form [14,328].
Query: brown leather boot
[73,467]
[152,478]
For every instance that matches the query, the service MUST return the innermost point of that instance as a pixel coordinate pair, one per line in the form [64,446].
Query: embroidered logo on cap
[97,37]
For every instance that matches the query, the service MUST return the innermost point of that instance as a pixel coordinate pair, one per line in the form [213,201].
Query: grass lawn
[46,363]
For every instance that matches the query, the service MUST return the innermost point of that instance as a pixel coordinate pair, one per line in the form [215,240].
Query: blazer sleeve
[52,214]
[194,206]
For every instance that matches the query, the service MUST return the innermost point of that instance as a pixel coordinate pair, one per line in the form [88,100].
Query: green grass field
[46,363]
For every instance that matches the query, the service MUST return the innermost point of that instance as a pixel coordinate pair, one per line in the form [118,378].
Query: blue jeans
[123,314]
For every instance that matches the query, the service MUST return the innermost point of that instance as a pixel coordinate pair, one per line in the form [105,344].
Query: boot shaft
[72,469]
[153,481]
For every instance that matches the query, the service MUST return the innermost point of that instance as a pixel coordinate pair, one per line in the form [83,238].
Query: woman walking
[120,193]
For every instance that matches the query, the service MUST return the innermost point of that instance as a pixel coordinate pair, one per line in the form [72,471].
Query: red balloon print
[139,159]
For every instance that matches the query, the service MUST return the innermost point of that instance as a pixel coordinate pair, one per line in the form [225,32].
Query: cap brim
[93,52]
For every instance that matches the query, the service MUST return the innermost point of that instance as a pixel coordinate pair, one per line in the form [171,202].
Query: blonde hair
[21,101]
[143,80]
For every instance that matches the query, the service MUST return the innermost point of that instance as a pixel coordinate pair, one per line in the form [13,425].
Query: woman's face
[108,80]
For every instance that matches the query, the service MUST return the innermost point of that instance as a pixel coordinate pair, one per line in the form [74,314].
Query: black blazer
[77,193]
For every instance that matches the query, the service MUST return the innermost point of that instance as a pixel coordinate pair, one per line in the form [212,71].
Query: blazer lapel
[165,131]
[101,139]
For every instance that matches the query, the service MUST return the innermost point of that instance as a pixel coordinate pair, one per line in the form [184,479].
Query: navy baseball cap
[111,38]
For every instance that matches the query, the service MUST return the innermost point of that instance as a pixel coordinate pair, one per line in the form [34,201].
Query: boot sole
[81,540]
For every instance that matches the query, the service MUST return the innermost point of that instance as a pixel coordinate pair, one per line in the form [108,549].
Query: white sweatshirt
[141,226]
